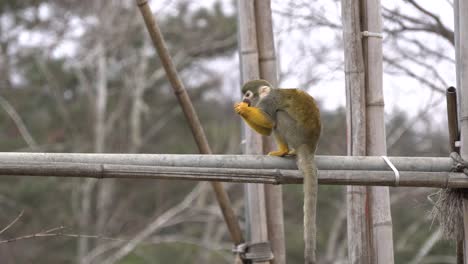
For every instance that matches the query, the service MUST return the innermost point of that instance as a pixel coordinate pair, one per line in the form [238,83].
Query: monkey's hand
[241,107]
[255,118]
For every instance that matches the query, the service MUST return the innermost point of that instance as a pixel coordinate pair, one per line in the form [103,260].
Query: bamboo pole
[452,118]
[191,116]
[358,233]
[266,44]
[460,249]
[456,15]
[462,76]
[379,197]
[268,176]
[248,52]
[452,122]
[423,164]
[267,69]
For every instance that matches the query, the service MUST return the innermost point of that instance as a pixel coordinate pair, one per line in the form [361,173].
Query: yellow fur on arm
[255,116]
[259,129]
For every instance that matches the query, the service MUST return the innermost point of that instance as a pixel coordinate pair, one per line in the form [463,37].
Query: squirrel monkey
[294,119]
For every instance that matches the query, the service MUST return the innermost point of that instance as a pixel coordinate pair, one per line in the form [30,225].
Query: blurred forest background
[82,76]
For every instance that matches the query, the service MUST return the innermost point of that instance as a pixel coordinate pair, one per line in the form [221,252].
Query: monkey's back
[298,118]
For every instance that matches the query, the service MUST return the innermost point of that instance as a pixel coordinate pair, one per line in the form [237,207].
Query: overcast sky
[401,93]
[298,47]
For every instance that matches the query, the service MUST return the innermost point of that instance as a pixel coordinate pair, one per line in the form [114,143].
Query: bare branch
[12,222]
[19,123]
[153,226]
[46,233]
[427,246]
[55,232]
[409,23]
[410,73]
[393,138]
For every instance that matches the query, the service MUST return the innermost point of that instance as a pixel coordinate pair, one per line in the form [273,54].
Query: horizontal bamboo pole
[368,163]
[269,176]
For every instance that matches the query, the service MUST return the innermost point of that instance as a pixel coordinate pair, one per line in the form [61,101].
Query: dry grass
[448,211]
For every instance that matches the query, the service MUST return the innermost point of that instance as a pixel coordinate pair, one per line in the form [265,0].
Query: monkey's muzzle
[247,100]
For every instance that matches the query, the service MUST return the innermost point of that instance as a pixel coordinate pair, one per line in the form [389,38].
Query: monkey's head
[254,90]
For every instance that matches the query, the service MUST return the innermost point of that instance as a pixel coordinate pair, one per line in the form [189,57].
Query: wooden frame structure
[369,232]
[333,170]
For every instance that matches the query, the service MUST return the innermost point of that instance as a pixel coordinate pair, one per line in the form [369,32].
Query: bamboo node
[101,171]
[248,51]
[278,176]
[269,58]
[377,103]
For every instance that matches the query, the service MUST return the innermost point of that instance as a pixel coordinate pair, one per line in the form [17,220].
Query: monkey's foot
[292,152]
[279,153]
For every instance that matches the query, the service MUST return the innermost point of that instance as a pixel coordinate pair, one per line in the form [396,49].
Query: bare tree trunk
[137,106]
[358,233]
[84,218]
[105,188]
[135,118]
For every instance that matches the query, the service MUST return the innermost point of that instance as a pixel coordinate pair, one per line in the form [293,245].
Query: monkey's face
[251,91]
[250,98]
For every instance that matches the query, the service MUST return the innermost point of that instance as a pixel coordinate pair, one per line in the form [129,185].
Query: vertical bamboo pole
[267,63]
[379,202]
[253,142]
[191,116]
[462,76]
[456,15]
[358,234]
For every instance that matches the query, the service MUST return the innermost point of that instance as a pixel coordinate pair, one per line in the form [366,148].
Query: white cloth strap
[397,173]
[371,34]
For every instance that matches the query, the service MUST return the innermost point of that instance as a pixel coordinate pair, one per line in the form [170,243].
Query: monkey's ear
[263,91]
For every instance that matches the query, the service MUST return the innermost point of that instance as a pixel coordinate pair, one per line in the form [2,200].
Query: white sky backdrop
[401,93]
[291,36]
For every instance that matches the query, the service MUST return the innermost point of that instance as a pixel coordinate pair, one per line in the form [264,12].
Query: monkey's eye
[248,94]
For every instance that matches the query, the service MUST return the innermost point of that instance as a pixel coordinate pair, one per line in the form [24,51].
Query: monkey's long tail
[308,169]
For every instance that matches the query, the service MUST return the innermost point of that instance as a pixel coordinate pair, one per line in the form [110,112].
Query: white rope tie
[397,173]
[372,34]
